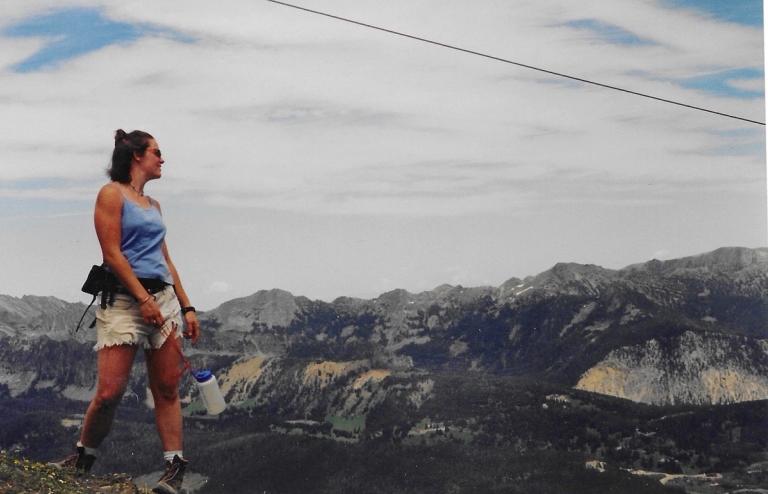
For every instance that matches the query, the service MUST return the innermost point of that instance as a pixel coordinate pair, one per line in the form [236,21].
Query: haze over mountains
[689,330]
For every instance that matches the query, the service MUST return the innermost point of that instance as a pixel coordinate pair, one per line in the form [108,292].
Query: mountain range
[651,378]
[689,330]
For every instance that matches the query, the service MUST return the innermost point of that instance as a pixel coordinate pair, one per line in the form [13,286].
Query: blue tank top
[143,233]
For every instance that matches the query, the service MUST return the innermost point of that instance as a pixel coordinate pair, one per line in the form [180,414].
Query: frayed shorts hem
[130,340]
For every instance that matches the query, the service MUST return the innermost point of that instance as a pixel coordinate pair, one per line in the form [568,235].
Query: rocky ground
[22,476]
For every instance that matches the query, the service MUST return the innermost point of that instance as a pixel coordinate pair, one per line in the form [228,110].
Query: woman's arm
[107,219]
[192,330]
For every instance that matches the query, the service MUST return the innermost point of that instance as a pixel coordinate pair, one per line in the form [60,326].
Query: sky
[328,159]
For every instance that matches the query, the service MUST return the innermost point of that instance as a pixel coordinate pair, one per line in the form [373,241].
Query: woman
[145,309]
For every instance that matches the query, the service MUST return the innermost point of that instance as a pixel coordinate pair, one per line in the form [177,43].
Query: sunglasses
[156,152]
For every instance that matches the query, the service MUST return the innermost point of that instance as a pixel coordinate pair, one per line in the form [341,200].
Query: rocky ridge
[690,330]
[573,323]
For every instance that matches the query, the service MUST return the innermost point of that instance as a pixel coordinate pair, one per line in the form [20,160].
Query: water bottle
[210,392]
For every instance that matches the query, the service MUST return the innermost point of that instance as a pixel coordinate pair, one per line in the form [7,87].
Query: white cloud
[275,109]
[756,85]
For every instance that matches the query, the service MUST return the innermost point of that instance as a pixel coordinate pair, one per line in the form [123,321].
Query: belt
[152,290]
[150,284]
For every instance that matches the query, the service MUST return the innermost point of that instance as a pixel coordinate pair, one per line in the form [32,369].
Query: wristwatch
[189,308]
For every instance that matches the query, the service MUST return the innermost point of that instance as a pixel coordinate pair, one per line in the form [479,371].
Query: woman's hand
[192,326]
[150,312]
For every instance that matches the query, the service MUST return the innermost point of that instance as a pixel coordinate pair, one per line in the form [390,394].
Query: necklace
[141,193]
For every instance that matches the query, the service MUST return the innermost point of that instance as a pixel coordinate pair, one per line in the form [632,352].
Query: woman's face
[151,162]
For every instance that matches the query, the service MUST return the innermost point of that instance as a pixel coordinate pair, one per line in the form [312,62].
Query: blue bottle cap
[203,375]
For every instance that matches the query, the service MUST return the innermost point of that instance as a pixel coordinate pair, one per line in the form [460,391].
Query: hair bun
[120,135]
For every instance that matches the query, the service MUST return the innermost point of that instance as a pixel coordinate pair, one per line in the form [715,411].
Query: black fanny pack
[98,280]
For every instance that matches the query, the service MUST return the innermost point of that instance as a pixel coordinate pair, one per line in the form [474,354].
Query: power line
[485,55]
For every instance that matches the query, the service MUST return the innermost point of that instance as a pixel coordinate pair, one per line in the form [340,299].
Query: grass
[347,424]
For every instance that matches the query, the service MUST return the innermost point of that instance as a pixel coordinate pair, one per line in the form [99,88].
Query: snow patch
[18,382]
[457,348]
[79,393]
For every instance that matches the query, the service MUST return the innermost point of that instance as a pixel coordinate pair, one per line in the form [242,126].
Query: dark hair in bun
[126,144]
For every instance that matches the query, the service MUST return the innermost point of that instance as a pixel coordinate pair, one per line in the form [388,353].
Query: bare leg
[164,371]
[114,368]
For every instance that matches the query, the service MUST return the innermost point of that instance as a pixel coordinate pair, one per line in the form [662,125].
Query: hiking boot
[78,462]
[170,482]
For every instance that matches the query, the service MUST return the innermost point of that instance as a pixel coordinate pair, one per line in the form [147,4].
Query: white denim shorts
[122,324]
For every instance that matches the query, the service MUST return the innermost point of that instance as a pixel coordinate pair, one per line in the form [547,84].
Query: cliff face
[688,330]
[692,368]
[318,389]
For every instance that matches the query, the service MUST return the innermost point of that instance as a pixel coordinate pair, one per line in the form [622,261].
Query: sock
[168,455]
[88,451]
